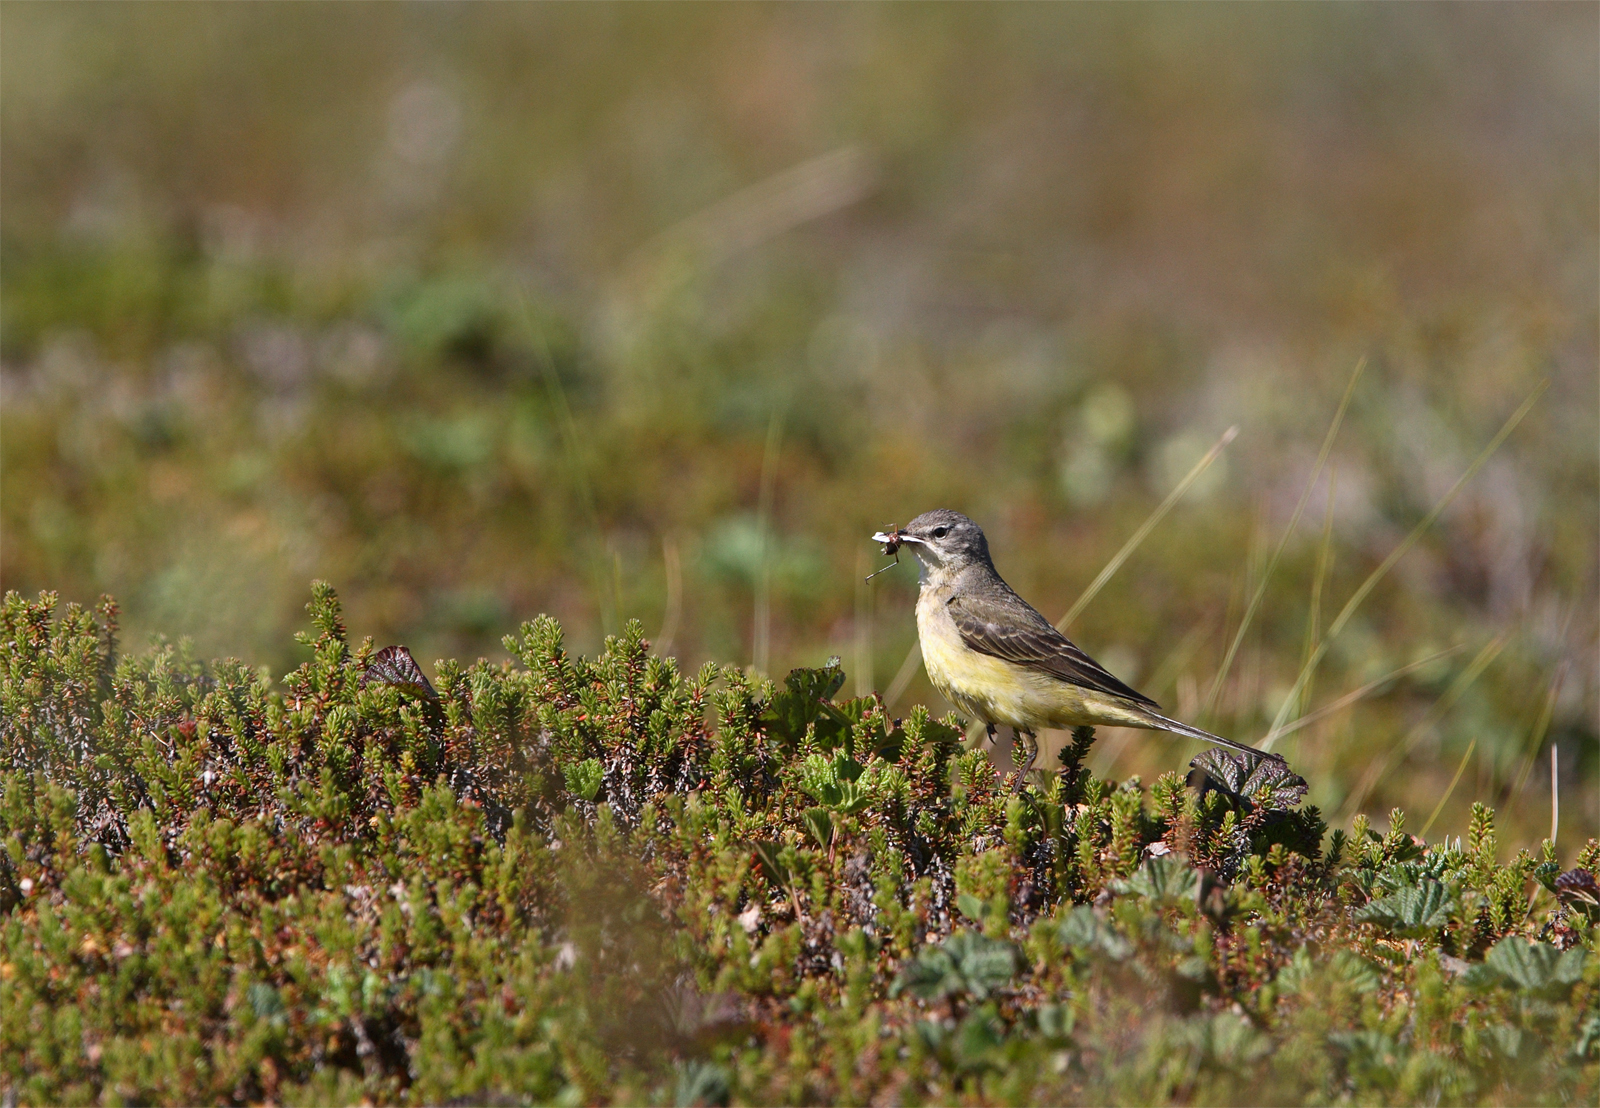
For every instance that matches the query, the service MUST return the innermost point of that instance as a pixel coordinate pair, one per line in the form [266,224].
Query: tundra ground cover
[561,879]
[659,312]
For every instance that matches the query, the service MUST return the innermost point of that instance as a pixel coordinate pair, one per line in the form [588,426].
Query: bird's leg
[1029,741]
[991,729]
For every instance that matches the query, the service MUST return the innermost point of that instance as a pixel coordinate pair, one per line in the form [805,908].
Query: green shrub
[576,880]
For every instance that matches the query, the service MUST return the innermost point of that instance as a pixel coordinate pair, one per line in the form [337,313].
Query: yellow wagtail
[991,654]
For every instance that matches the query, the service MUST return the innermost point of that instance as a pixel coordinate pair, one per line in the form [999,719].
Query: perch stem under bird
[996,658]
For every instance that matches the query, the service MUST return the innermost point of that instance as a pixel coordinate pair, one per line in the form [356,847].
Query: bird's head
[944,541]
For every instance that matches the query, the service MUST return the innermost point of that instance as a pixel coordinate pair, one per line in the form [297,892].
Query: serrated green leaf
[1166,880]
[806,691]
[985,964]
[1355,971]
[1507,1039]
[1084,930]
[965,963]
[1534,967]
[820,824]
[971,907]
[1413,911]
[930,975]
[1249,780]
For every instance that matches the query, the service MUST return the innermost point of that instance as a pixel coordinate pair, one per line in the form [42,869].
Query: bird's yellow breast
[1004,693]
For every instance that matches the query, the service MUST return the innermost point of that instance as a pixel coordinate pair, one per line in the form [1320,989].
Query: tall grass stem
[1379,768]
[1387,564]
[1146,527]
[673,567]
[1319,580]
[576,465]
[1288,532]
[908,668]
[1350,698]
[762,635]
[1439,807]
[1555,795]
[863,625]
[1177,660]
[902,678]
[1541,727]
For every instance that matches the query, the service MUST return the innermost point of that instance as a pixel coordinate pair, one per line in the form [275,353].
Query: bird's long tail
[1206,736]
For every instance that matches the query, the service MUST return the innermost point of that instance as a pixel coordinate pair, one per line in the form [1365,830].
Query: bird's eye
[940,532]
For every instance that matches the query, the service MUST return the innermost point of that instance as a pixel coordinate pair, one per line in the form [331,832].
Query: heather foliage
[602,880]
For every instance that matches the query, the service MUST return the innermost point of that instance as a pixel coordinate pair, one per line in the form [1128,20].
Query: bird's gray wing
[1011,629]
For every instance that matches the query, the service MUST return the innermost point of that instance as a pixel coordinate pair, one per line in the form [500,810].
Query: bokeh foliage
[571,880]
[486,311]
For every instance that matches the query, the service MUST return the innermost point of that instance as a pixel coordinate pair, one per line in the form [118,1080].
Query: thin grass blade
[1288,532]
[673,567]
[908,668]
[762,636]
[1439,807]
[903,675]
[1378,769]
[1350,698]
[1146,527]
[1541,726]
[1388,563]
[598,569]
[1319,580]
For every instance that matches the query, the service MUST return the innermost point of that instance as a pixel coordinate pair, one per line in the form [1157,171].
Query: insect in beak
[892,541]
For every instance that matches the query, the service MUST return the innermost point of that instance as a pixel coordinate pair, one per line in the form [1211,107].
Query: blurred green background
[657,312]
